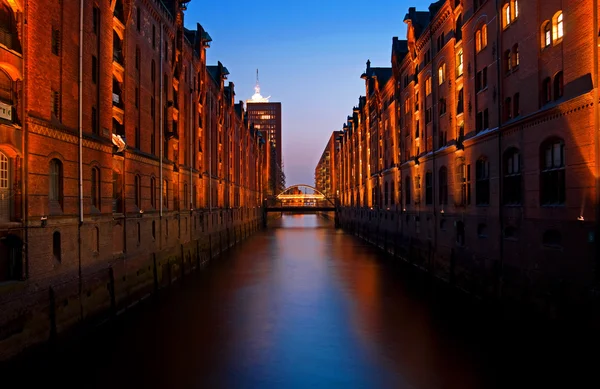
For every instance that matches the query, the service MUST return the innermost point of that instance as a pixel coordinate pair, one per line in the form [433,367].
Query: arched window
[512,177]
[506,14]
[458,29]
[407,185]
[4,189]
[482,184]
[481,38]
[558,85]
[55,190]
[428,188]
[428,86]
[558,30]
[96,196]
[546,34]
[6,88]
[8,28]
[552,176]
[442,74]
[56,246]
[515,56]
[443,185]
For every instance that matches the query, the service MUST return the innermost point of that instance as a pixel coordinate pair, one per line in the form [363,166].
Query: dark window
[511,233]
[546,90]
[481,80]
[137,57]
[117,192]
[95,121]
[461,102]
[458,29]
[482,230]
[154,37]
[56,249]
[507,108]
[516,105]
[94,69]
[443,185]
[482,185]
[96,20]
[137,97]
[55,193]
[55,41]
[460,233]
[428,115]
[552,238]
[392,193]
[407,190]
[442,106]
[139,19]
[138,138]
[153,192]
[463,179]
[512,177]
[428,188]
[558,85]
[552,168]
[138,191]
[55,104]
[153,230]
[96,199]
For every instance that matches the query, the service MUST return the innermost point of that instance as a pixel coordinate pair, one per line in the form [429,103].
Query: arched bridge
[301,198]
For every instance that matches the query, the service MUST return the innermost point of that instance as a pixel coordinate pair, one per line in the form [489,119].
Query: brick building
[120,152]
[480,154]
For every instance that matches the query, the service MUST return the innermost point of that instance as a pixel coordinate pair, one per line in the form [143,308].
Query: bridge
[301,199]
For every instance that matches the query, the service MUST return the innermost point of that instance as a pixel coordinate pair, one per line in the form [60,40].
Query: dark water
[303,305]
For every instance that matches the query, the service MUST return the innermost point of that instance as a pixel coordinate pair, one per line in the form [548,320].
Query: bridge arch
[317,193]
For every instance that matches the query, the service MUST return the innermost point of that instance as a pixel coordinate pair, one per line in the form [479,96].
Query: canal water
[303,305]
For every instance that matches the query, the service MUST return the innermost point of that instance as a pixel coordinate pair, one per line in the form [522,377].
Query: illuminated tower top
[257,97]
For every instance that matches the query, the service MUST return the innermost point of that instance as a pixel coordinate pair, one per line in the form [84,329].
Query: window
[428,115]
[458,29]
[482,230]
[94,69]
[507,109]
[515,56]
[558,85]
[153,192]
[56,249]
[96,192]
[428,188]
[512,177]
[508,61]
[165,193]
[516,106]
[552,155]
[557,27]
[137,58]
[506,15]
[416,100]
[55,41]
[482,121]
[417,129]
[460,233]
[546,34]
[481,79]
[138,191]
[441,74]
[139,19]
[511,233]
[459,64]
[408,184]
[463,179]
[386,194]
[55,192]
[153,37]
[96,20]
[515,8]
[460,106]
[443,185]
[5,199]
[55,104]
[482,184]
[117,201]
[546,91]
[428,86]
[440,42]
[481,38]
[95,121]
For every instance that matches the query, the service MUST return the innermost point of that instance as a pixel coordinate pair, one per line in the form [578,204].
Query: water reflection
[300,305]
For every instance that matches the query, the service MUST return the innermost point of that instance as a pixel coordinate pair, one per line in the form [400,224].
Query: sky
[310,55]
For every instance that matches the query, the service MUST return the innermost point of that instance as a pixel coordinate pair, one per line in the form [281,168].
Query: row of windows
[552,179]
[552,31]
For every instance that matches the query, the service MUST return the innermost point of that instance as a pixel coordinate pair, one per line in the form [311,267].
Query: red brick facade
[161,172]
[481,161]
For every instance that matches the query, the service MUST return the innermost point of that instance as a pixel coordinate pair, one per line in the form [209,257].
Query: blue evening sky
[310,55]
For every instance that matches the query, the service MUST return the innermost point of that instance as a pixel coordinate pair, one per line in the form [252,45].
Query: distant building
[266,118]
[326,173]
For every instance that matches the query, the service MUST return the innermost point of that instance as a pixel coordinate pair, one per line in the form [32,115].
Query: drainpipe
[191,141]
[25,143]
[500,165]
[161,125]
[80,141]
[595,45]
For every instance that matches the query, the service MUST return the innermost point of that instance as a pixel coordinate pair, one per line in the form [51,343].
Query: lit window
[559,26]
[442,73]
[506,14]
[546,34]
[516,8]
[428,86]
[481,38]
[460,64]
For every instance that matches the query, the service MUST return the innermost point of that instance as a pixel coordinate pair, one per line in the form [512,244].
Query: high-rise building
[265,116]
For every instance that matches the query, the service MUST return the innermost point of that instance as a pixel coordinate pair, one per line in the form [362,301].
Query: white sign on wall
[6,111]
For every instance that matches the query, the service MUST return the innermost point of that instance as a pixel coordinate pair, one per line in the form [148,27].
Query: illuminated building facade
[265,116]
[326,172]
[479,154]
[114,169]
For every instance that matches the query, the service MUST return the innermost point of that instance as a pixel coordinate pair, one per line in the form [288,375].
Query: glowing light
[580,218]
[257,97]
